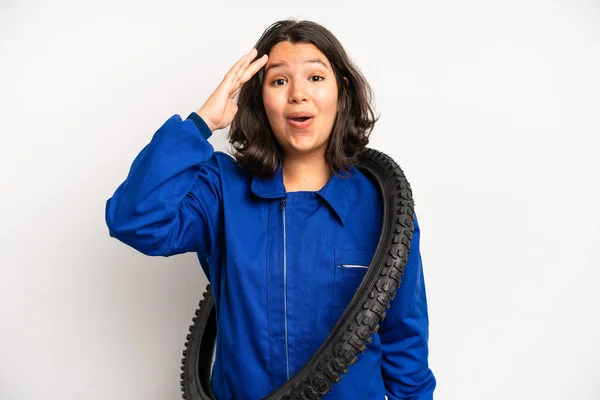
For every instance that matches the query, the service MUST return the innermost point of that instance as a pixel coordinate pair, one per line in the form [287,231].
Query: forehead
[295,54]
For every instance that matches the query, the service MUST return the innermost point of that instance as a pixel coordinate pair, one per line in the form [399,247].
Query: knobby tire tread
[353,331]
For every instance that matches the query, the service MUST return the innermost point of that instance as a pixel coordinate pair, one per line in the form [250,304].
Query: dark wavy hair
[255,146]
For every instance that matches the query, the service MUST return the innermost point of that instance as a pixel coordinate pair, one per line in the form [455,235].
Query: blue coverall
[283,266]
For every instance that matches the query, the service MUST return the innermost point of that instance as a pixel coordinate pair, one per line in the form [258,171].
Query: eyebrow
[283,63]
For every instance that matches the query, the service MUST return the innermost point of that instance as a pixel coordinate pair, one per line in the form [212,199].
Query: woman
[285,230]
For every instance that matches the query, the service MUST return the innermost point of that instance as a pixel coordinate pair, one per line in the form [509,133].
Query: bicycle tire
[356,325]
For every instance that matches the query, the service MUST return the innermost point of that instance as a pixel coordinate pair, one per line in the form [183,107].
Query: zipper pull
[283,202]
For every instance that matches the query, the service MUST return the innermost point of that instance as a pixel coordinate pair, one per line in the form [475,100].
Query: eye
[275,82]
[317,76]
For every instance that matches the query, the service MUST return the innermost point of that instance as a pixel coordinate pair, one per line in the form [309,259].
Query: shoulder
[363,187]
[368,191]
[231,172]
[225,159]
[227,163]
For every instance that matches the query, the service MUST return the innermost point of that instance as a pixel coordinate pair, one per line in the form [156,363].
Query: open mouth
[301,122]
[300,119]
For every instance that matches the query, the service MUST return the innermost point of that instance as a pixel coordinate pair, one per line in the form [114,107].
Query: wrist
[208,123]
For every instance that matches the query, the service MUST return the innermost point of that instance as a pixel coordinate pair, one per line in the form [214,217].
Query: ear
[346,79]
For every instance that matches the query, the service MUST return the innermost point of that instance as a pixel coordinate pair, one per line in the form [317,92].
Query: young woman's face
[300,96]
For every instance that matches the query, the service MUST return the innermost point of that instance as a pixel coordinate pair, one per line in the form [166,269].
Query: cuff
[200,124]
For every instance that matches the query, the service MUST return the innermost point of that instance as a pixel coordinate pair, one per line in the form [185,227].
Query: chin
[302,143]
[303,150]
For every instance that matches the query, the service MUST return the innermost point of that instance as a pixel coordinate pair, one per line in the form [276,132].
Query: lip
[301,124]
[299,115]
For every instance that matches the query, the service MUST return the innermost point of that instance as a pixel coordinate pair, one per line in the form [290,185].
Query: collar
[336,192]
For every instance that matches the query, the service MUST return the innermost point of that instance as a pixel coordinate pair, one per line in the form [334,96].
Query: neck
[305,174]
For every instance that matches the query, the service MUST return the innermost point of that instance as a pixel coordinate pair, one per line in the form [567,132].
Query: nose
[298,92]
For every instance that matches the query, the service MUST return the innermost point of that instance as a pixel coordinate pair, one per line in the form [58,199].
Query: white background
[491,108]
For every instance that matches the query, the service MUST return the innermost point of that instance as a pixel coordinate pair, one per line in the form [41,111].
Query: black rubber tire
[359,321]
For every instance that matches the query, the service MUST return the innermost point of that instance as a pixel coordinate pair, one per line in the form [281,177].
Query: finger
[247,73]
[236,85]
[235,68]
[239,81]
[254,68]
[249,58]
[236,91]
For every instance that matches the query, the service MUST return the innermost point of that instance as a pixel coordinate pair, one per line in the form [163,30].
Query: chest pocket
[350,267]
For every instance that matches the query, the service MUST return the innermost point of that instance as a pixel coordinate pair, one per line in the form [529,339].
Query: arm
[170,201]
[404,335]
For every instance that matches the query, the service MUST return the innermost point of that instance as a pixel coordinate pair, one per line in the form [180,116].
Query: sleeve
[404,334]
[170,202]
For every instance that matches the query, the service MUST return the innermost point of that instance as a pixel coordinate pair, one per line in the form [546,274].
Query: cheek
[273,103]
[327,100]
[268,104]
[273,111]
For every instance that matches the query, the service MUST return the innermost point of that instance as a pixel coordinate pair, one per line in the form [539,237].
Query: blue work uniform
[283,265]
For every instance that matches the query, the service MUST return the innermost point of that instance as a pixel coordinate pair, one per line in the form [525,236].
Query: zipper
[287,353]
[353,266]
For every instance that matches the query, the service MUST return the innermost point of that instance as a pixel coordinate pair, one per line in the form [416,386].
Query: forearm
[158,182]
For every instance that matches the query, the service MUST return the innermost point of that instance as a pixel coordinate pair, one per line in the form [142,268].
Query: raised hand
[218,111]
